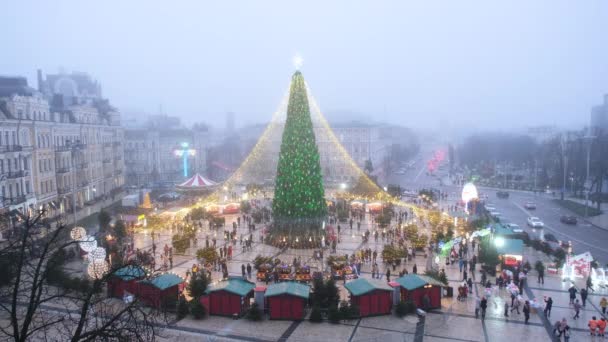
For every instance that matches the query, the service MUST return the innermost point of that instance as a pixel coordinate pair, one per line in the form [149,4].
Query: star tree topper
[298,61]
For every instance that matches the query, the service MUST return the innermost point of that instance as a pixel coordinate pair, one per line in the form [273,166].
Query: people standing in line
[577,309]
[572,290]
[548,306]
[526,312]
[483,305]
[603,305]
[584,294]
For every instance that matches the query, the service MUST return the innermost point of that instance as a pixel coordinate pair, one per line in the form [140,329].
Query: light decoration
[99,253]
[184,151]
[469,193]
[88,244]
[78,233]
[299,195]
[97,269]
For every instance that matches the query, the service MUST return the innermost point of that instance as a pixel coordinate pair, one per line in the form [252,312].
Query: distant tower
[229,123]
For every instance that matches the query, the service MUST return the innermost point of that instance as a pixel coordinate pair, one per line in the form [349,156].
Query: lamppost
[587,187]
[184,152]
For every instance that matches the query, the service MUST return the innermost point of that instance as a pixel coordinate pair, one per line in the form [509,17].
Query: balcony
[61,170]
[17,200]
[17,174]
[118,158]
[83,184]
[82,166]
[107,144]
[107,161]
[116,143]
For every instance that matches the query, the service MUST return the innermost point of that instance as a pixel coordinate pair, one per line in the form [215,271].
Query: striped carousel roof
[197,181]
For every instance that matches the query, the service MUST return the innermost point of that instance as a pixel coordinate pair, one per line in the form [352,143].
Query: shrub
[344,309]
[334,315]
[315,314]
[254,313]
[197,309]
[401,309]
[182,307]
[353,311]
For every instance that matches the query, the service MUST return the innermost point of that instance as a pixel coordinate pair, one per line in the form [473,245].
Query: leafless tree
[36,305]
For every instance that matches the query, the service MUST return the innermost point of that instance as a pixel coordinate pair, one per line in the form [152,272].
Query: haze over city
[470,63]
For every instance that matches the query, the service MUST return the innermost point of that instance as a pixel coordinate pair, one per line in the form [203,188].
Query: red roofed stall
[125,280]
[160,290]
[287,300]
[415,287]
[229,297]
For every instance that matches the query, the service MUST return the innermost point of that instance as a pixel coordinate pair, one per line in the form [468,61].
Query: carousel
[196,185]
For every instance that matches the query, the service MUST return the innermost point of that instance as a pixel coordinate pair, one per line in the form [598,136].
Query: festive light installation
[299,196]
[88,243]
[78,233]
[97,269]
[99,253]
[184,152]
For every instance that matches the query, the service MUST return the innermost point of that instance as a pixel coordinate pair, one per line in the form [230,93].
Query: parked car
[535,222]
[515,228]
[530,205]
[502,194]
[568,219]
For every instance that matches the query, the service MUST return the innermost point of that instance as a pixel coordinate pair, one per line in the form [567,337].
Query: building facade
[56,152]
[599,117]
[151,156]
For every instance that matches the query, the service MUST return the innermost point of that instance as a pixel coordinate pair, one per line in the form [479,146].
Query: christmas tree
[299,199]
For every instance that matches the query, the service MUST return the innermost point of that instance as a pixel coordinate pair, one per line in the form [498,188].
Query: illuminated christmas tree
[299,204]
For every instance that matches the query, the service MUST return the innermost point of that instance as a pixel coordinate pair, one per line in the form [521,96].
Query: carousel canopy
[197,181]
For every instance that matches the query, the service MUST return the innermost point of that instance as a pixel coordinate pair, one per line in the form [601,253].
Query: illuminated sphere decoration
[97,269]
[99,253]
[88,244]
[78,233]
[469,192]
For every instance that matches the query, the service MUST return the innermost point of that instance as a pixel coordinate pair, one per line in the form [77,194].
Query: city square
[432,172]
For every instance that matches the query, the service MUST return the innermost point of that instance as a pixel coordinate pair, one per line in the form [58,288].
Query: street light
[589,140]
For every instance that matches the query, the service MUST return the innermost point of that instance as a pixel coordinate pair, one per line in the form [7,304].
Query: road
[584,237]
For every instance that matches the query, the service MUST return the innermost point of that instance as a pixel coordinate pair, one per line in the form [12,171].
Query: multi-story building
[151,151]
[57,155]
[599,117]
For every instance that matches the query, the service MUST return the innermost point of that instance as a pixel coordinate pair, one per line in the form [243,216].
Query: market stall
[124,280]
[374,207]
[229,297]
[415,287]
[303,273]
[287,300]
[511,251]
[372,296]
[285,272]
[231,208]
[161,289]
[265,272]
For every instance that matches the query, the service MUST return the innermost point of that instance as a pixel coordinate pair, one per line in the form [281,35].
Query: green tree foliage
[299,193]
[198,284]
[487,252]
[197,309]
[104,220]
[315,315]
[254,313]
[207,254]
[183,309]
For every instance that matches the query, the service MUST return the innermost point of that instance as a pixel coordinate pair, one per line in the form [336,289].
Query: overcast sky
[512,64]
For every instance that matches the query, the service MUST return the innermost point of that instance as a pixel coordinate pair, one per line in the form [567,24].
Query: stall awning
[164,281]
[288,288]
[362,286]
[237,286]
[415,281]
[130,272]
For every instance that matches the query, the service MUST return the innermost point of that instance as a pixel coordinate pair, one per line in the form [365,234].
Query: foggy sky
[448,63]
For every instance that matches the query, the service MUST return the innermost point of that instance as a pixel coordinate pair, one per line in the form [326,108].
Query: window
[27,187]
[40,165]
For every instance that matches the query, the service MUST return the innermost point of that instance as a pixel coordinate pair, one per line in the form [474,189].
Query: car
[515,228]
[530,205]
[490,207]
[502,194]
[568,219]
[495,214]
[535,222]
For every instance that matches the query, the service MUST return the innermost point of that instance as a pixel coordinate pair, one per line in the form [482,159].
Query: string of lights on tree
[97,266]
[299,193]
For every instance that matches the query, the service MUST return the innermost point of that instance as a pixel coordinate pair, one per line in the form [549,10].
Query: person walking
[584,294]
[541,274]
[388,274]
[477,306]
[506,309]
[483,305]
[577,309]
[526,312]
[415,269]
[249,270]
[589,284]
[592,326]
[572,290]
[470,283]
[516,305]
[603,305]
[243,269]
[548,306]
[464,275]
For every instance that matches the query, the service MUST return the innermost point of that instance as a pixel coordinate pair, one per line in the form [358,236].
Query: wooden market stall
[230,297]
[159,290]
[125,280]
[265,272]
[303,273]
[287,300]
[415,287]
[372,296]
[285,272]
